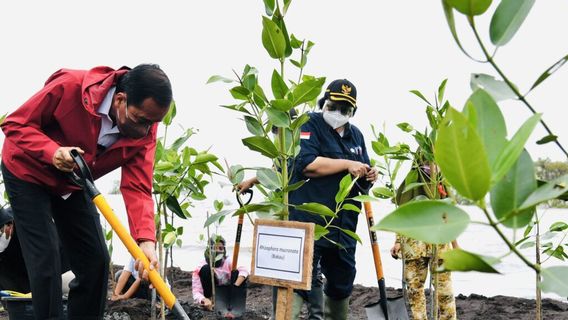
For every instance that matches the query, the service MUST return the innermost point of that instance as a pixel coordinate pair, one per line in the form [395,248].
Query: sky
[386,48]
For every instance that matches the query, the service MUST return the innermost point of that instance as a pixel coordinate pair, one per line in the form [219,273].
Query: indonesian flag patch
[305,135]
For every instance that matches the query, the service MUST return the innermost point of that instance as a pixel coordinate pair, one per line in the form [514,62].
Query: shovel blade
[230,301]
[396,309]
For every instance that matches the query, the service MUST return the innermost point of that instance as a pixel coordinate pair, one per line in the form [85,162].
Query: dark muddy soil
[259,304]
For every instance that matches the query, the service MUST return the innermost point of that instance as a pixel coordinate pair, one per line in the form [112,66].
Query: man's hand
[148,247]
[62,159]
[372,175]
[246,184]
[358,169]
[207,304]
[395,250]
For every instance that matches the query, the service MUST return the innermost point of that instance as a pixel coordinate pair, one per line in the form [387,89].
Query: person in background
[13,274]
[419,257]
[110,117]
[331,148]
[215,252]
[129,284]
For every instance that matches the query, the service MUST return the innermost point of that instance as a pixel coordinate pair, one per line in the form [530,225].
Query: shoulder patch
[305,135]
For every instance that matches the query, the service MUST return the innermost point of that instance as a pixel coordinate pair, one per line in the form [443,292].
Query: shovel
[230,301]
[85,180]
[385,308]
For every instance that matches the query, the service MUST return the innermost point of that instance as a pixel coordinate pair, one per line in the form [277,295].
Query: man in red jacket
[111,118]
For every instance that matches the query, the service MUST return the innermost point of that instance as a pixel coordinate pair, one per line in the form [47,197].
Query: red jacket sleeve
[24,126]
[136,189]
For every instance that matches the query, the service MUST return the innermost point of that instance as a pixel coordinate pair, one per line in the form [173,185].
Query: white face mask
[4,242]
[335,119]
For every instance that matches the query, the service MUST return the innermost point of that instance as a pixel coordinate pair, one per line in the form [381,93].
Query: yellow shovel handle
[135,251]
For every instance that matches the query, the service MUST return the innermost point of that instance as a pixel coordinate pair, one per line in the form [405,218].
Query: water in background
[516,279]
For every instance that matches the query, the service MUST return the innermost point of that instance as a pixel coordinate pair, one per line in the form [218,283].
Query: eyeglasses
[138,121]
[344,109]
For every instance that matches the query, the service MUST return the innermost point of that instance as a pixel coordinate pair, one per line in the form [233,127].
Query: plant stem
[538,309]
[512,247]
[510,84]
[284,171]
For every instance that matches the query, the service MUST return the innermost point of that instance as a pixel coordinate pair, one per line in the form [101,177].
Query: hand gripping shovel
[85,180]
[230,301]
[385,308]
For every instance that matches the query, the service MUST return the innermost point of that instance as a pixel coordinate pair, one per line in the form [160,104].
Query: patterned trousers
[416,273]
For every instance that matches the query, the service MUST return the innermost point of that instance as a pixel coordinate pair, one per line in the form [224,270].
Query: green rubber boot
[336,309]
[297,303]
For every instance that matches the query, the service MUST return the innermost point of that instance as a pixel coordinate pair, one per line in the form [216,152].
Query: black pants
[40,217]
[205,277]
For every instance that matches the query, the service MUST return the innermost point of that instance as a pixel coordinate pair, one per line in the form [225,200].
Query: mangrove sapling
[505,22]
[179,179]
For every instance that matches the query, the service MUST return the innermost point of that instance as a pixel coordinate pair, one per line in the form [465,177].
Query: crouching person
[202,279]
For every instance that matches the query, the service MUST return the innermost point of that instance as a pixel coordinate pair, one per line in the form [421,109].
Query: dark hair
[146,81]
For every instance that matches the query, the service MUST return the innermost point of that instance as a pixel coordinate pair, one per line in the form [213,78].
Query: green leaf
[555,279]
[319,232]
[269,6]
[382,192]
[282,104]
[279,87]
[279,20]
[215,217]
[240,93]
[558,226]
[268,178]
[484,114]
[301,120]
[547,191]
[365,198]
[273,39]
[461,156]
[286,5]
[294,42]
[236,174]
[441,90]
[345,186]
[547,139]
[498,89]
[217,78]
[317,208]
[294,186]
[470,7]
[420,95]
[170,115]
[430,221]
[513,149]
[449,14]
[204,158]
[253,126]
[461,260]
[404,126]
[509,193]
[173,204]
[549,71]
[307,90]
[262,145]
[169,238]
[507,19]
[352,235]
[351,207]
[278,118]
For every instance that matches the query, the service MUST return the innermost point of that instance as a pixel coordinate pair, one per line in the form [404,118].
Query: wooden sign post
[282,257]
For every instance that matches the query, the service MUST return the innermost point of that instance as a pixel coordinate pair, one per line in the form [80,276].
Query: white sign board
[280,252]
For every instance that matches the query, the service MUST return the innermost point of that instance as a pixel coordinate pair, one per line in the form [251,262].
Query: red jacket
[64,113]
